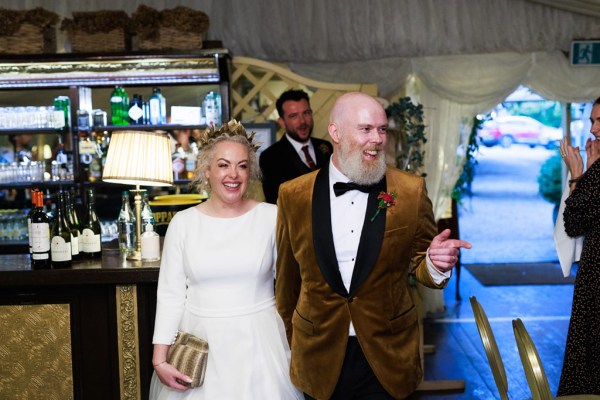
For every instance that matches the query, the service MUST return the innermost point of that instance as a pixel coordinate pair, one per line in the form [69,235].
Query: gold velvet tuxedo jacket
[316,307]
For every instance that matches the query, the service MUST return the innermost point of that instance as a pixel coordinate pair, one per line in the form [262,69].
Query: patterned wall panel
[35,352]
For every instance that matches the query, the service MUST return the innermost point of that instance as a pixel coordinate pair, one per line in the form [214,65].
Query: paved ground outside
[506,219]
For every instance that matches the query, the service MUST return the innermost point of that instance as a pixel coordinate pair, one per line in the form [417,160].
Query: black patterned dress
[581,366]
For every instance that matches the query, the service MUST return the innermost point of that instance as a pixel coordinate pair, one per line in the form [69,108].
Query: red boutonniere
[324,148]
[386,200]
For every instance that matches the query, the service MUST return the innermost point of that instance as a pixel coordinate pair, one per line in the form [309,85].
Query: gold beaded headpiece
[232,128]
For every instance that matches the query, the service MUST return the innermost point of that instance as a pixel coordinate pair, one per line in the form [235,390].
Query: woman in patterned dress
[581,366]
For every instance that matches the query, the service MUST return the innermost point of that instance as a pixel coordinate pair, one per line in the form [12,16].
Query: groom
[345,252]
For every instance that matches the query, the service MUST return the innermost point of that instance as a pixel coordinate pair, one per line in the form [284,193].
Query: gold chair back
[534,370]
[532,364]
[491,348]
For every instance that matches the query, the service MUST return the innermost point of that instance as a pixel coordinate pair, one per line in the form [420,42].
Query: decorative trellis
[256,85]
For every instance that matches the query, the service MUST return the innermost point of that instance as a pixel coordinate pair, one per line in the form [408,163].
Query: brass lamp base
[134,256]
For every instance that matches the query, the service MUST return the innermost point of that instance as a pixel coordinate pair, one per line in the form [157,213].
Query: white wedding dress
[227,265]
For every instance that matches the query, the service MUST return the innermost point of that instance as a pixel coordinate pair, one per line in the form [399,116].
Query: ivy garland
[409,132]
[408,121]
[463,184]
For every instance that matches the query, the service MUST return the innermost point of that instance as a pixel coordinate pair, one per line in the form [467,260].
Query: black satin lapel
[371,239]
[322,234]
[293,157]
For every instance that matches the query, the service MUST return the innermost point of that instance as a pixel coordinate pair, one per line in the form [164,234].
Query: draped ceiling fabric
[465,56]
[456,57]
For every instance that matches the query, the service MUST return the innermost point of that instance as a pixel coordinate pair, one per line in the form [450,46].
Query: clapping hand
[443,251]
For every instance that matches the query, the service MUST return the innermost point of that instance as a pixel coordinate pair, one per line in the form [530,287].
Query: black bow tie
[339,188]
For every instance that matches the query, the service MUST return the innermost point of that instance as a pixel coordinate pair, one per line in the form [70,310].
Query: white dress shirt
[298,147]
[347,219]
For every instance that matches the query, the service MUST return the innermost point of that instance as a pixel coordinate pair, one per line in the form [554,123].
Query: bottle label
[155,115]
[90,242]
[74,245]
[178,165]
[87,147]
[29,231]
[40,237]
[136,113]
[40,256]
[60,249]
[58,119]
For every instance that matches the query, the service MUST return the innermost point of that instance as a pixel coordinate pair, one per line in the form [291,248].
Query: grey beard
[352,166]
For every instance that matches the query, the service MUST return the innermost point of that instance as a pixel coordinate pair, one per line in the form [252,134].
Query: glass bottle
[210,109]
[34,205]
[147,214]
[158,107]
[150,244]
[60,242]
[74,227]
[91,238]
[126,225]
[119,106]
[62,112]
[136,111]
[40,236]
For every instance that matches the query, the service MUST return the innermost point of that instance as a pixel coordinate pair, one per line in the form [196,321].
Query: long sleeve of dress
[582,211]
[171,293]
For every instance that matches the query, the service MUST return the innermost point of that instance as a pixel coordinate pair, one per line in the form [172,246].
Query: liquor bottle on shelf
[74,226]
[40,236]
[62,112]
[91,237]
[211,107]
[60,241]
[158,107]
[84,120]
[126,225]
[136,112]
[119,106]
[147,214]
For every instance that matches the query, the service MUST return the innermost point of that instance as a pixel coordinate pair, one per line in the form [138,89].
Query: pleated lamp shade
[139,158]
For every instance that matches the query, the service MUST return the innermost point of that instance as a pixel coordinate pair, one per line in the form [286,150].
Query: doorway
[509,214]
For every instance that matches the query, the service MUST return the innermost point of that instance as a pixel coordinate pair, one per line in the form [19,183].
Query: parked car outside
[519,129]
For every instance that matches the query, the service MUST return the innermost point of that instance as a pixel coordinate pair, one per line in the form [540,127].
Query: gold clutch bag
[189,355]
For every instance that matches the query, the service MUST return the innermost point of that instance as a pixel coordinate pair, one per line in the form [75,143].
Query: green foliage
[463,184]
[549,179]
[547,112]
[409,132]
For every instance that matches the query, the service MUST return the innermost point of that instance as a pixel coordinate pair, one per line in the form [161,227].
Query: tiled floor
[459,354]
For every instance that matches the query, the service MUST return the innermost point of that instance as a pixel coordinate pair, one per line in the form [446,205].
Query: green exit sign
[585,52]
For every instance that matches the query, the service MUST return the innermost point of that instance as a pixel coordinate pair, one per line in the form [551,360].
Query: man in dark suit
[296,153]
[348,237]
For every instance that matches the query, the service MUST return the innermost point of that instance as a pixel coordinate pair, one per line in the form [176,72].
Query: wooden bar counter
[78,333]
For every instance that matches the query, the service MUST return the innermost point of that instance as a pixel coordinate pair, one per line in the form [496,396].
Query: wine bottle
[40,235]
[29,215]
[91,231]
[74,227]
[126,225]
[60,242]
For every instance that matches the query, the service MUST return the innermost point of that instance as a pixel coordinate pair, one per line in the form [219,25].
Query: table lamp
[140,158]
